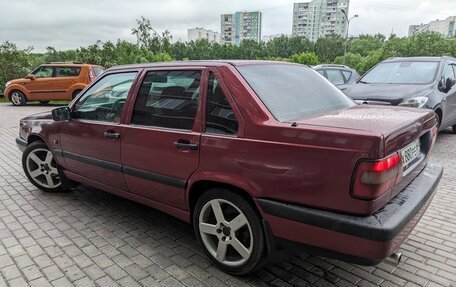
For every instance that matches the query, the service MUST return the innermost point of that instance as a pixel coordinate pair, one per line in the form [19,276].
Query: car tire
[17,98]
[44,102]
[230,231]
[75,94]
[42,170]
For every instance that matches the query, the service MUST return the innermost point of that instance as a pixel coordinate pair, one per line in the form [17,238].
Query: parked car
[54,81]
[419,82]
[340,75]
[255,154]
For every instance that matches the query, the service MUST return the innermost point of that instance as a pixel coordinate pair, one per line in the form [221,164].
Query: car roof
[419,59]
[204,63]
[332,66]
[68,64]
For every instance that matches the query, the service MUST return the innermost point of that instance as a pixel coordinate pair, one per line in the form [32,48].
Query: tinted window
[67,71]
[44,72]
[220,118]
[168,99]
[293,91]
[335,77]
[105,100]
[402,73]
[321,72]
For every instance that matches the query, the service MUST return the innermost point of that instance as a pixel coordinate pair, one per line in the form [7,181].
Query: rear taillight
[92,76]
[374,178]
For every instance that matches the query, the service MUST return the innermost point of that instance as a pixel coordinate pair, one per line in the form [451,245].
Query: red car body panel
[306,162]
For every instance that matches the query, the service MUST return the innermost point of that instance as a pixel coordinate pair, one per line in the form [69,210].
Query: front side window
[293,91]
[220,118]
[44,72]
[62,72]
[448,73]
[168,99]
[105,100]
[406,72]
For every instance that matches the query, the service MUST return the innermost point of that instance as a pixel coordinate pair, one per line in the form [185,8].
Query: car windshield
[293,91]
[406,72]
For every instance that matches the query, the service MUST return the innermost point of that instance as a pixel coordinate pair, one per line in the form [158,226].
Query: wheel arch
[197,188]
[34,138]
[19,88]
[438,110]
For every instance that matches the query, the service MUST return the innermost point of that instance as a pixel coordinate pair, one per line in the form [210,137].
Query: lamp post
[346,34]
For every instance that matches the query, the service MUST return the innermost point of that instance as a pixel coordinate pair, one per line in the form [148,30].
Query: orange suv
[54,81]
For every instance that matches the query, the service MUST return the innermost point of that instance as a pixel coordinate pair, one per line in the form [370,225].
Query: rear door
[160,148]
[91,139]
[64,78]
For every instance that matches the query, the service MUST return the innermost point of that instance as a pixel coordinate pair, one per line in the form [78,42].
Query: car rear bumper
[21,144]
[364,240]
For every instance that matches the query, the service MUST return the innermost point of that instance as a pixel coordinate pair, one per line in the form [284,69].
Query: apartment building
[319,18]
[201,33]
[240,26]
[445,27]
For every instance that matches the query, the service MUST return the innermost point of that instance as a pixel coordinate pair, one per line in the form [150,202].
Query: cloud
[67,24]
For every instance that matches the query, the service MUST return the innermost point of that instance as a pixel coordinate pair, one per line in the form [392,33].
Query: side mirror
[30,77]
[61,114]
[449,83]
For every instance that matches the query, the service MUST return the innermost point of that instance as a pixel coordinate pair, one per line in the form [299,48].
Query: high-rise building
[445,27]
[240,26]
[201,33]
[319,18]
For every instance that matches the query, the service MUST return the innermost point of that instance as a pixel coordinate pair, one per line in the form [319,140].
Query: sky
[69,24]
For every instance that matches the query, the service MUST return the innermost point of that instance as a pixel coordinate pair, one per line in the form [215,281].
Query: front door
[40,87]
[160,148]
[91,139]
[449,96]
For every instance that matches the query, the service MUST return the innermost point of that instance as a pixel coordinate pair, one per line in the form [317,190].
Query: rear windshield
[293,91]
[98,71]
[406,72]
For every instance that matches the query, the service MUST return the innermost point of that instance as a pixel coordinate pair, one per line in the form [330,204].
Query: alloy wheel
[16,98]
[42,168]
[225,232]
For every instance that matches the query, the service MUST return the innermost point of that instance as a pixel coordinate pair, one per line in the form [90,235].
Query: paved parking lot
[87,237]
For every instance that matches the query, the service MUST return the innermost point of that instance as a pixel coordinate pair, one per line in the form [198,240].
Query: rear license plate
[410,154]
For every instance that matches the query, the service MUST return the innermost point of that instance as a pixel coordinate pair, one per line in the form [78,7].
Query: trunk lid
[397,126]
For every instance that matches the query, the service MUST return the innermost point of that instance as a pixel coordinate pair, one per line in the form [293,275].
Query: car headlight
[7,84]
[417,102]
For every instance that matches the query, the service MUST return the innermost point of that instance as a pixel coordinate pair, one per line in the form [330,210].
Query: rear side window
[220,118]
[335,77]
[168,99]
[347,75]
[67,71]
[293,91]
[98,71]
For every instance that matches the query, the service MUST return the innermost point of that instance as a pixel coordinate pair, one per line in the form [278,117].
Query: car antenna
[294,124]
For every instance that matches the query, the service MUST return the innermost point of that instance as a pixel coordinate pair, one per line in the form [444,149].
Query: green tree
[308,58]
[14,62]
[329,47]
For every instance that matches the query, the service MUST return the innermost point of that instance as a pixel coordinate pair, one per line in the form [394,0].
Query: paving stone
[87,237]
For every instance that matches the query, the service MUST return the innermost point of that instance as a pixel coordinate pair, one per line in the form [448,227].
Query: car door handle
[183,144]
[111,134]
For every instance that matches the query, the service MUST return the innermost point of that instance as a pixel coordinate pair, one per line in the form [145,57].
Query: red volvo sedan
[257,155]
